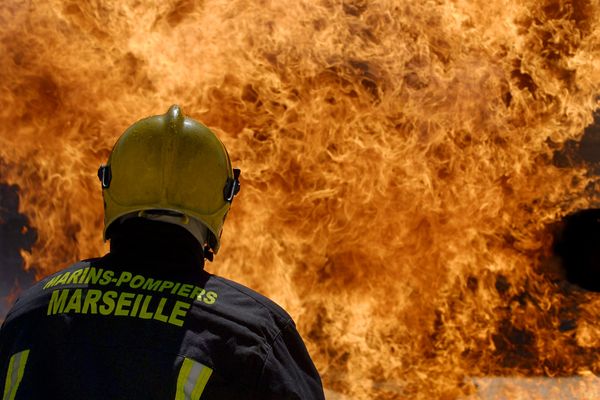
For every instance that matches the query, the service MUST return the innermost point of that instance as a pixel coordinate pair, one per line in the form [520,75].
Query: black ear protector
[232,186]
[105,175]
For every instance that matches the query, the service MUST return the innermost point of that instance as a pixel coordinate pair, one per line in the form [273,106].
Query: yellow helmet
[170,163]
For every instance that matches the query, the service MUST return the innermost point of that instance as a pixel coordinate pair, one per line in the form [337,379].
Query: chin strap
[208,254]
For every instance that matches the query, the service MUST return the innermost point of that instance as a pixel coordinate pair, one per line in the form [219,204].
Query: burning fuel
[398,158]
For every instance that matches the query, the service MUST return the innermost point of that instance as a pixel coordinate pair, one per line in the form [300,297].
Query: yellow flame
[396,157]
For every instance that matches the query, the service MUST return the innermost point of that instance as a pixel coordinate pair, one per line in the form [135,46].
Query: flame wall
[396,155]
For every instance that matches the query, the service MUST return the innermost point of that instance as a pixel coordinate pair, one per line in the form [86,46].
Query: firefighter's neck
[139,240]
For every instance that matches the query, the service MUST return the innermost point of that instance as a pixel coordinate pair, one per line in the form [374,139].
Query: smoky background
[15,235]
[405,166]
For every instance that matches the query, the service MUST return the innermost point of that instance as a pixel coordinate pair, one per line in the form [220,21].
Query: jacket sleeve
[288,372]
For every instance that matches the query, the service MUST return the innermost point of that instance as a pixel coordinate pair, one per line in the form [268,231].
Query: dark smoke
[577,242]
[578,246]
[15,234]
[583,152]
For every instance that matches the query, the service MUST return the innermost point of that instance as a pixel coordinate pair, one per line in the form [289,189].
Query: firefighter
[146,321]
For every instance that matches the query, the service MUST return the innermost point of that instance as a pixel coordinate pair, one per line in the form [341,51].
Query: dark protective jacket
[147,322]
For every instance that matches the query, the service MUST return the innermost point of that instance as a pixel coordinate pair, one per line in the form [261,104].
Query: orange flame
[396,156]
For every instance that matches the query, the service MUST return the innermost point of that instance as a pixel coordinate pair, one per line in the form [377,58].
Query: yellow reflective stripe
[201,382]
[192,379]
[182,378]
[9,374]
[16,369]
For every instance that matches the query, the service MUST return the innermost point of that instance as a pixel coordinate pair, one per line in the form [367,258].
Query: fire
[397,166]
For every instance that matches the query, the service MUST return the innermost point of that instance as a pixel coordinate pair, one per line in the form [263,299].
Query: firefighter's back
[150,328]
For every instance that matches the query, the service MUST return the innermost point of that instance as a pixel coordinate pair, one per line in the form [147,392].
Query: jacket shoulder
[261,301]
[30,297]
